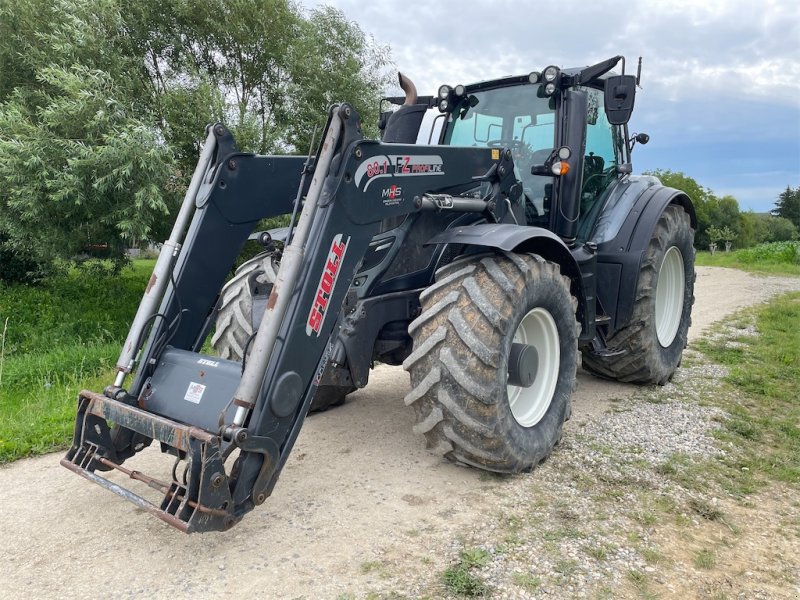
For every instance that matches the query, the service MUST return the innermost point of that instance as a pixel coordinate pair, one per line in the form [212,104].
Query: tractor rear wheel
[238,320]
[235,316]
[651,343]
[494,361]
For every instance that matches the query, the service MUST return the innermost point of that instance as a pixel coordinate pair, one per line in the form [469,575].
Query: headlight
[444,92]
[550,89]
[443,106]
[551,73]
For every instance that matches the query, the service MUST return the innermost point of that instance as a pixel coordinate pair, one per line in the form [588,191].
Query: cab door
[605,151]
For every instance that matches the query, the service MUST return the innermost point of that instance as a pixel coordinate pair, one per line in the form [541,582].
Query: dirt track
[359,487]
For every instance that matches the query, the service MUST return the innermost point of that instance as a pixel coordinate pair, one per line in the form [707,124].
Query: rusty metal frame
[200,501]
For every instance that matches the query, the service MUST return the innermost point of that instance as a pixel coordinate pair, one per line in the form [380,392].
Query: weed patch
[705,559]
[461,578]
[779,258]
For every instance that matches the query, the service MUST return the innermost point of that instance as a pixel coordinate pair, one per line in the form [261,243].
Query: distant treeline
[719,219]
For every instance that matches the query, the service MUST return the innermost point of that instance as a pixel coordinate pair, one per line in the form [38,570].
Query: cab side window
[601,159]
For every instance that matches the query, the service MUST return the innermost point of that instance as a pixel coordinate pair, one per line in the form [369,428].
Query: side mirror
[620,92]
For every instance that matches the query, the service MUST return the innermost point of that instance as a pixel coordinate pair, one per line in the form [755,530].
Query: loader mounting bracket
[198,496]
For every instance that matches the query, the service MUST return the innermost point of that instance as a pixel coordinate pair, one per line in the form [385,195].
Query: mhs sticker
[397,165]
[392,195]
[327,281]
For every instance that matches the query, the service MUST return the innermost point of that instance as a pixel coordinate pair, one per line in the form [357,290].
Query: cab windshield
[512,117]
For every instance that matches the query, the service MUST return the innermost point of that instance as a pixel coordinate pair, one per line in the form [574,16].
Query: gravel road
[361,505]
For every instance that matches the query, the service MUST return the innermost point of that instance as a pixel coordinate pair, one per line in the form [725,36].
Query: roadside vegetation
[55,340]
[761,351]
[777,258]
[620,520]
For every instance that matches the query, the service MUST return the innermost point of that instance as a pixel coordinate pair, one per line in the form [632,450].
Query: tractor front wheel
[494,361]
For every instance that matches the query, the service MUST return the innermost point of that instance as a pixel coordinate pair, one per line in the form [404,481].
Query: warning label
[195,392]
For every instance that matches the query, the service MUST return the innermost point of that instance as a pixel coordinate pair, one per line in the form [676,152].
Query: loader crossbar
[197,500]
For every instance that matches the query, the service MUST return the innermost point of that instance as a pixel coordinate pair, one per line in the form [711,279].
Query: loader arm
[203,410]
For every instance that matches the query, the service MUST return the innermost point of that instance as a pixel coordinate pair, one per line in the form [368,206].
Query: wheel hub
[534,361]
[523,362]
[669,296]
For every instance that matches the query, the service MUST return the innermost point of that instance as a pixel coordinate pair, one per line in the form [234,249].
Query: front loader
[484,264]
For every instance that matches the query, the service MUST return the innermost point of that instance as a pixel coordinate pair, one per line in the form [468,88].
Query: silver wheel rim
[529,405]
[669,296]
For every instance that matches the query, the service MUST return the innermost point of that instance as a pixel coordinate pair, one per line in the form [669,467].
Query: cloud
[721,78]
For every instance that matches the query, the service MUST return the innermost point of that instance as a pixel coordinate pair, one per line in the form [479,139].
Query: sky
[720,89]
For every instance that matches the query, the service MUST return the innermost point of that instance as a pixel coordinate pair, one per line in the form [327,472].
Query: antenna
[639,74]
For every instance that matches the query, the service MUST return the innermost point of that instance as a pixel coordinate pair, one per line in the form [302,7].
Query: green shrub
[780,252]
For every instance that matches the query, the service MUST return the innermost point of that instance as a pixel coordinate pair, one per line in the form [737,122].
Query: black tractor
[484,263]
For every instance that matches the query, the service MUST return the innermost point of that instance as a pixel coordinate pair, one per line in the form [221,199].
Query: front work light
[444,92]
[550,89]
[551,73]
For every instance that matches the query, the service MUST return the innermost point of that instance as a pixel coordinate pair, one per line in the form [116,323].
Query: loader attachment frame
[193,501]
[229,465]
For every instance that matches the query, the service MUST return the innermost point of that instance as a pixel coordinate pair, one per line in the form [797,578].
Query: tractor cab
[566,131]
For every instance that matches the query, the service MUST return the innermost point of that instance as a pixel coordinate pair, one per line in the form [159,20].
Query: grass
[780,258]
[760,396]
[705,559]
[764,370]
[653,556]
[566,567]
[59,338]
[598,552]
[461,579]
[527,581]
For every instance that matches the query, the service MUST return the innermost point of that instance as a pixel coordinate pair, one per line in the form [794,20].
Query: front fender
[508,237]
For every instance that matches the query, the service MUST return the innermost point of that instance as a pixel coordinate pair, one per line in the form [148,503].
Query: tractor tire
[235,320]
[652,342]
[234,325]
[459,367]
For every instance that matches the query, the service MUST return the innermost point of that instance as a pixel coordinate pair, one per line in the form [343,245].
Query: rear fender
[619,257]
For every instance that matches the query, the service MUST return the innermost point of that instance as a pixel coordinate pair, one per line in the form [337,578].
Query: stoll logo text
[327,281]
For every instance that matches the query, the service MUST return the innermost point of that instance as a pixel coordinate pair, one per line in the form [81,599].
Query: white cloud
[719,76]
[750,49]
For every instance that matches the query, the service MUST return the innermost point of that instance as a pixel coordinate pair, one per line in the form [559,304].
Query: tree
[80,165]
[724,214]
[702,198]
[788,205]
[722,234]
[778,229]
[751,229]
[103,105]
[711,211]
[329,50]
